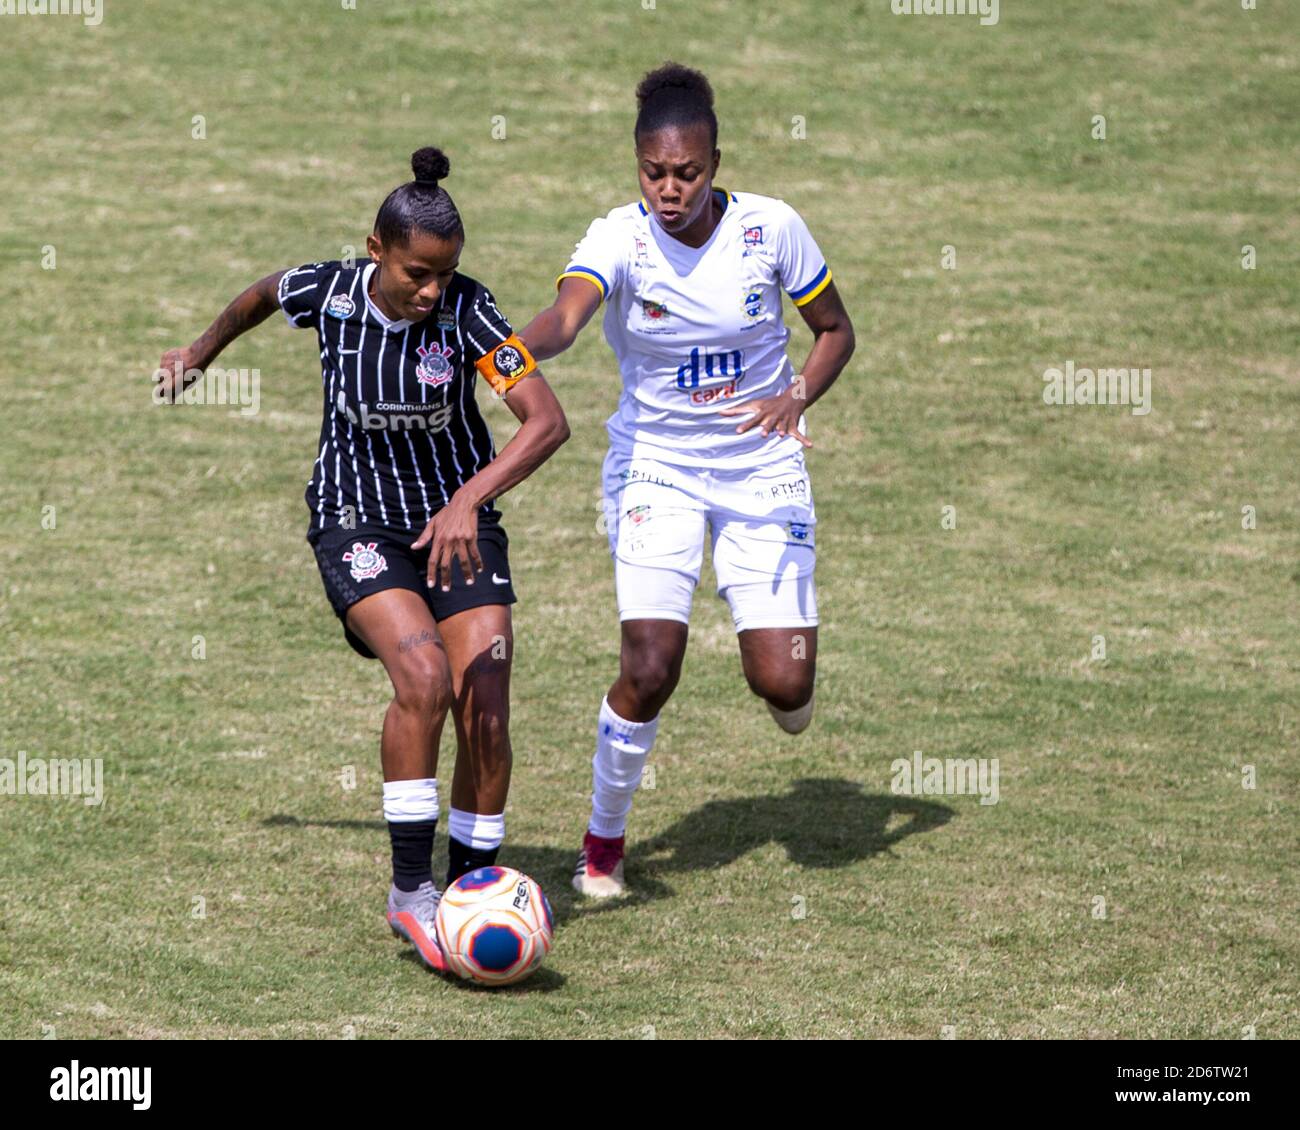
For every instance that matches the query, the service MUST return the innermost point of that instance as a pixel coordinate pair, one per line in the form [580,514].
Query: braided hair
[421,204]
[674,96]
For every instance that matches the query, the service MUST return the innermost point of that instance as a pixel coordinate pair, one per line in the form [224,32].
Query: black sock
[462,859]
[412,852]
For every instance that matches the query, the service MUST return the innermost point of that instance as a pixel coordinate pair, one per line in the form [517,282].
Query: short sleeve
[299,294]
[799,261]
[482,325]
[598,258]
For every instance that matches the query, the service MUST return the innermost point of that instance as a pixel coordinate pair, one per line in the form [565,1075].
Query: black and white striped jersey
[401,429]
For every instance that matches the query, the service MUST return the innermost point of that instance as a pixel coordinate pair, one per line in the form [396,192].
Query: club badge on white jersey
[698,329]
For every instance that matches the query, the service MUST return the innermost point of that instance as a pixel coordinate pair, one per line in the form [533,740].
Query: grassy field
[782,889]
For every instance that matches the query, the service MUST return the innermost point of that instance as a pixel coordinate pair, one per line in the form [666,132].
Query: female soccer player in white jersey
[408,541]
[709,431]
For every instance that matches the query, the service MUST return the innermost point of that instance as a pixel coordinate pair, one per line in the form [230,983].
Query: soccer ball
[494,926]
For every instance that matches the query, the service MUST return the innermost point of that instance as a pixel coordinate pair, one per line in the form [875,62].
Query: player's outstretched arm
[452,534]
[181,366]
[557,327]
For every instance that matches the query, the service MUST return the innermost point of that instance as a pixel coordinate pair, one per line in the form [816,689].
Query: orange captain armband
[506,365]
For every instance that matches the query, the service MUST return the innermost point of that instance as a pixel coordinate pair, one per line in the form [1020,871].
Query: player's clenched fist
[169,377]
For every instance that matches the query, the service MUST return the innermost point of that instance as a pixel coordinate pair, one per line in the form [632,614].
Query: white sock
[793,721]
[405,801]
[474,830]
[621,750]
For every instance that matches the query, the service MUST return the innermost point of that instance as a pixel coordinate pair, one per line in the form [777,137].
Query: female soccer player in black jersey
[409,543]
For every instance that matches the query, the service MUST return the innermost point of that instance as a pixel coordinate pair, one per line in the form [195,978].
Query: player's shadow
[822,823]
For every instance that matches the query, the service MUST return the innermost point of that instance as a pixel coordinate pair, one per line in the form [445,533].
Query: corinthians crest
[434,368]
[366,562]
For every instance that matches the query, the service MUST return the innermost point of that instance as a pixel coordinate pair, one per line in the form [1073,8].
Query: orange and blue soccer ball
[494,926]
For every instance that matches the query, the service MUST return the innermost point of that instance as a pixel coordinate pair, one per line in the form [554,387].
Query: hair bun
[674,76]
[430,165]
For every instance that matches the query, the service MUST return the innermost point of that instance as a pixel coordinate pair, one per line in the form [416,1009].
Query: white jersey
[699,329]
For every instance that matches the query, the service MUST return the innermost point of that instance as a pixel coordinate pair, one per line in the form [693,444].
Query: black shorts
[369,559]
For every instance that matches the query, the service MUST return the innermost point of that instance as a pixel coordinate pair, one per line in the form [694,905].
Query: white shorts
[763,528]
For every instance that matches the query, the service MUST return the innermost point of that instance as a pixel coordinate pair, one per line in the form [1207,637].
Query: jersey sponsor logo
[637,475]
[752,302]
[365,560]
[798,531]
[434,368]
[340,306]
[642,252]
[793,488]
[639,514]
[753,236]
[729,363]
[655,318]
[446,319]
[394,417]
[709,395]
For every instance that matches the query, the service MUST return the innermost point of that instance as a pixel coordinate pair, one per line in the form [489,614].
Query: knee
[422,685]
[786,689]
[653,674]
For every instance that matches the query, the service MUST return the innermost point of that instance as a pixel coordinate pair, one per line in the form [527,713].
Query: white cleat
[793,721]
